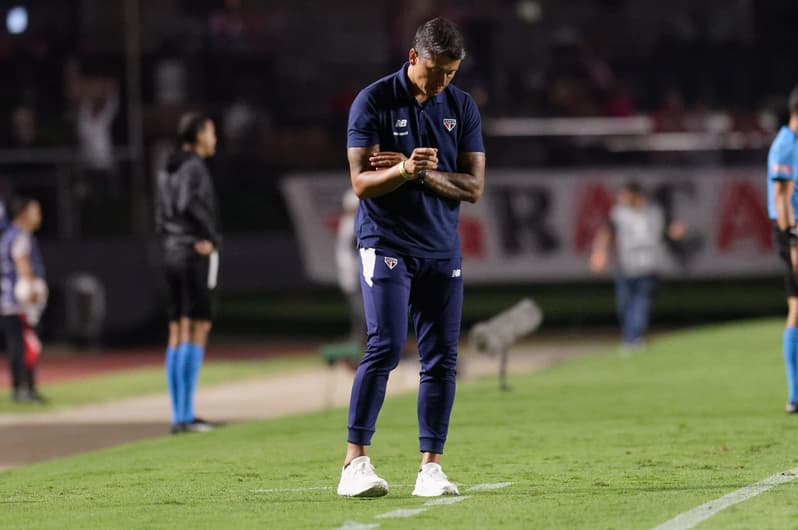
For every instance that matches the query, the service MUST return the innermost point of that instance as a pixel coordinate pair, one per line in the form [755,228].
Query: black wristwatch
[421,175]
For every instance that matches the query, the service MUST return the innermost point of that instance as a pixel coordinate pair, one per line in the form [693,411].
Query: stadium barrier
[538,225]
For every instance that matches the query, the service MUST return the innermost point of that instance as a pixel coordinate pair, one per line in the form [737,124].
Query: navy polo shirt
[413,220]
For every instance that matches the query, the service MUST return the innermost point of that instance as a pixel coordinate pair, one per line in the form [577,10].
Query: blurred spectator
[347,261]
[96,112]
[23,294]
[240,124]
[170,77]
[95,116]
[567,78]
[635,236]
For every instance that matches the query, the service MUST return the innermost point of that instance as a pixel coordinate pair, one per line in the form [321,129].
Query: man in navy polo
[415,152]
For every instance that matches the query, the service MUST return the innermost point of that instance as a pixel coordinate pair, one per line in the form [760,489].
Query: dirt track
[59,364]
[28,438]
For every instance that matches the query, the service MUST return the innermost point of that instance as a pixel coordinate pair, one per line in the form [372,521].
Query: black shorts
[790,281]
[192,287]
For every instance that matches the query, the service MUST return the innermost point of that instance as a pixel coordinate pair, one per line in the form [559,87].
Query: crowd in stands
[279,76]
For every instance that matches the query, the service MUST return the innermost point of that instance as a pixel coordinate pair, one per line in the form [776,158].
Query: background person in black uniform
[186,221]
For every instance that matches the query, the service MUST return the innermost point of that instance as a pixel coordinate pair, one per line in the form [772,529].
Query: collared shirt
[413,220]
[782,165]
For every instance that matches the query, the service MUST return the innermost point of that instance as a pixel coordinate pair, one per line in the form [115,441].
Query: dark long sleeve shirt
[185,207]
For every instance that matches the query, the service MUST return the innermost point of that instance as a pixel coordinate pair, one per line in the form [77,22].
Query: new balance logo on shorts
[391,262]
[456,273]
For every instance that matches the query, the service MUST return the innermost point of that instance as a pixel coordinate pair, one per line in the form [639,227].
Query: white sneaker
[432,482]
[358,479]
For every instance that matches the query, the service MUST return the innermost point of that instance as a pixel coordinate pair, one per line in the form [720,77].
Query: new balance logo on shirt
[401,123]
[456,273]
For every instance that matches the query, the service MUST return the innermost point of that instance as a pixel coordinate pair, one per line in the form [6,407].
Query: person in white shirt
[95,117]
[635,237]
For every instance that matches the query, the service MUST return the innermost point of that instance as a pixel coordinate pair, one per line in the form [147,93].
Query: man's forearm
[372,184]
[785,217]
[454,186]
[24,268]
[782,202]
[602,239]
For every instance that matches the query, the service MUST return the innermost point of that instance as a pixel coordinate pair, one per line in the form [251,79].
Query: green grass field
[151,380]
[607,441]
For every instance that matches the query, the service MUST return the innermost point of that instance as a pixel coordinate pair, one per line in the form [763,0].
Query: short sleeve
[21,246]
[363,127]
[782,164]
[471,141]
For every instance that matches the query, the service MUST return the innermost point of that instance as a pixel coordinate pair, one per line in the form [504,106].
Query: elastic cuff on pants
[360,437]
[431,445]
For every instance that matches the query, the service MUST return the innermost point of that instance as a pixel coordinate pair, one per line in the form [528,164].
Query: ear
[413,56]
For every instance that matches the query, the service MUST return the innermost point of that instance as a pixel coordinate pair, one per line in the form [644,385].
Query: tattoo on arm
[466,184]
[359,158]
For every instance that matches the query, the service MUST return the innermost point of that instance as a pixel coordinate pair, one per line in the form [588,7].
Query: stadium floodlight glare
[17,20]
[496,335]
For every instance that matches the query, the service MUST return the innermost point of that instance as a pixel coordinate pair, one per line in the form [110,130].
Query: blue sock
[182,361]
[171,381]
[791,361]
[196,353]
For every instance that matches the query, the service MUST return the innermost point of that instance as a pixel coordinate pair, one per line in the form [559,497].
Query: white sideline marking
[488,487]
[410,512]
[354,525]
[402,512]
[446,500]
[691,518]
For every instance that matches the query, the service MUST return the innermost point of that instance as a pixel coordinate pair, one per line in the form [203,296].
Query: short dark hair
[440,36]
[793,103]
[18,204]
[190,126]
